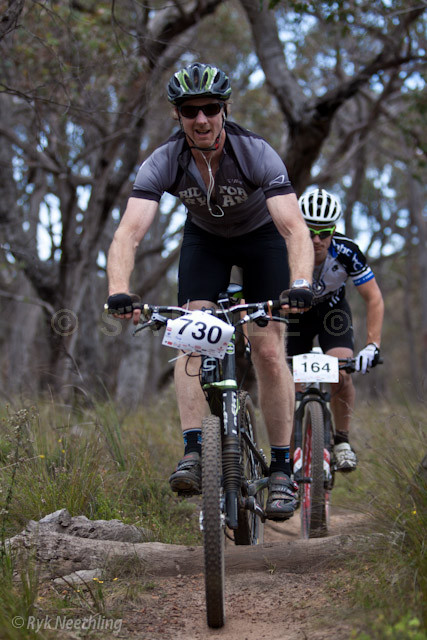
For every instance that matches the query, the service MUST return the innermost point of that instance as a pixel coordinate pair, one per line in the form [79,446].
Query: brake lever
[141,326]
[256,316]
[156,322]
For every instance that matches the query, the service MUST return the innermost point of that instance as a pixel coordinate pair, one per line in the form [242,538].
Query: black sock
[280,460]
[340,436]
[192,441]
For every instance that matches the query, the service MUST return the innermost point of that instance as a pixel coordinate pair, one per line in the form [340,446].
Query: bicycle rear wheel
[213,521]
[313,506]
[250,526]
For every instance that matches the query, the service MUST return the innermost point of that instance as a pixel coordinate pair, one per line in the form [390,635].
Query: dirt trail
[268,605]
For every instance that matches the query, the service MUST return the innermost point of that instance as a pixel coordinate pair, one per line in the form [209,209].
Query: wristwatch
[301,283]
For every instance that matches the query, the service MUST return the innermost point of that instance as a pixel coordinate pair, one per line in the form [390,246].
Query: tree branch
[28,300]
[269,50]
[9,19]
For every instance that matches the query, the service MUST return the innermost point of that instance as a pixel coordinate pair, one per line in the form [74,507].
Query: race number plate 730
[198,332]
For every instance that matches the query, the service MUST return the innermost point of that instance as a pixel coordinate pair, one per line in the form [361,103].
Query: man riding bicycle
[241,210]
[335,259]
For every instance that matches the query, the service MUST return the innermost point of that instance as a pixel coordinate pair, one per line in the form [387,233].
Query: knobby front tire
[251,528]
[213,521]
[313,506]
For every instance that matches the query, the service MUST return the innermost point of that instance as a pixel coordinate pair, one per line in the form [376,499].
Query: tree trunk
[416,207]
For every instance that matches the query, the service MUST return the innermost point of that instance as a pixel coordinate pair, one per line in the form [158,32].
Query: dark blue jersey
[344,260]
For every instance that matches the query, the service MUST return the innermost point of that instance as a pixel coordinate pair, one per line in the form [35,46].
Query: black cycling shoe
[282,497]
[187,477]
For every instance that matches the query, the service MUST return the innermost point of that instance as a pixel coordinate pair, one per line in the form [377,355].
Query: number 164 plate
[315,367]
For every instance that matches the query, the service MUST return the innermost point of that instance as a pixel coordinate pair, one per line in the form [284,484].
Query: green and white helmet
[320,207]
[198,80]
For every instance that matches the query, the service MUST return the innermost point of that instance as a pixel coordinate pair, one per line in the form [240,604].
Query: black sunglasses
[191,110]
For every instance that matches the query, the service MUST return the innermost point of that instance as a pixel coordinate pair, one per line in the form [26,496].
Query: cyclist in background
[242,210]
[336,258]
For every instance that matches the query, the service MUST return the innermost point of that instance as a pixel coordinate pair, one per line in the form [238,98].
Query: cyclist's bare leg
[343,393]
[277,400]
[192,405]
[275,384]
[191,401]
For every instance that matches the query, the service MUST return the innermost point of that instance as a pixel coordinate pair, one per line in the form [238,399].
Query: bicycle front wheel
[213,521]
[251,527]
[313,507]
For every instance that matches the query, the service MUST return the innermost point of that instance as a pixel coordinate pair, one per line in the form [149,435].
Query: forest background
[337,88]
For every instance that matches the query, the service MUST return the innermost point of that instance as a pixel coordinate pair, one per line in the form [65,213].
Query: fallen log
[61,553]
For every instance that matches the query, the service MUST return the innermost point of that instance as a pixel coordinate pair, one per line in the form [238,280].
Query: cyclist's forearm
[374,322]
[300,256]
[289,221]
[372,296]
[135,223]
[120,264]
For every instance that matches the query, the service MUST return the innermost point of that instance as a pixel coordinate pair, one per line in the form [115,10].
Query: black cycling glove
[121,303]
[297,297]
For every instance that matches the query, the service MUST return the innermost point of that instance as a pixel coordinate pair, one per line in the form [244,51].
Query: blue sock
[192,441]
[280,460]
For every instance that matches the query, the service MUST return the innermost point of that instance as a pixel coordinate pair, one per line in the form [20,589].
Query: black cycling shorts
[332,325]
[206,261]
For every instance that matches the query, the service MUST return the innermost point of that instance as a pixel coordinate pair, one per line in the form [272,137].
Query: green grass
[77,461]
[389,581]
[93,462]
[100,463]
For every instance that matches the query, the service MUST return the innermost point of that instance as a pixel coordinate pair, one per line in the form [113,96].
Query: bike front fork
[231,479]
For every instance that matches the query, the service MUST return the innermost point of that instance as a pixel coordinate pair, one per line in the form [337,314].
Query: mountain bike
[234,468]
[314,433]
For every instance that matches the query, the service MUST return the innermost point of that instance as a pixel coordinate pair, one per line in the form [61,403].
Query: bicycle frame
[317,392]
[218,381]
[234,470]
[314,463]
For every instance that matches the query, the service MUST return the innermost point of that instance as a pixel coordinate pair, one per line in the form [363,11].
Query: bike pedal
[256,486]
[252,505]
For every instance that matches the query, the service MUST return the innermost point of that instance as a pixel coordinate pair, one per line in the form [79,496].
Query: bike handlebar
[346,364]
[268,305]
[157,315]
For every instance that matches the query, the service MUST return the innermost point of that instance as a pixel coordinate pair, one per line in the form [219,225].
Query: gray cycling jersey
[249,172]
[343,260]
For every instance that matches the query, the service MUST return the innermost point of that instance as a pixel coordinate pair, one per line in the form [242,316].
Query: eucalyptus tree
[349,80]
[82,103]
[319,56]
[78,84]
